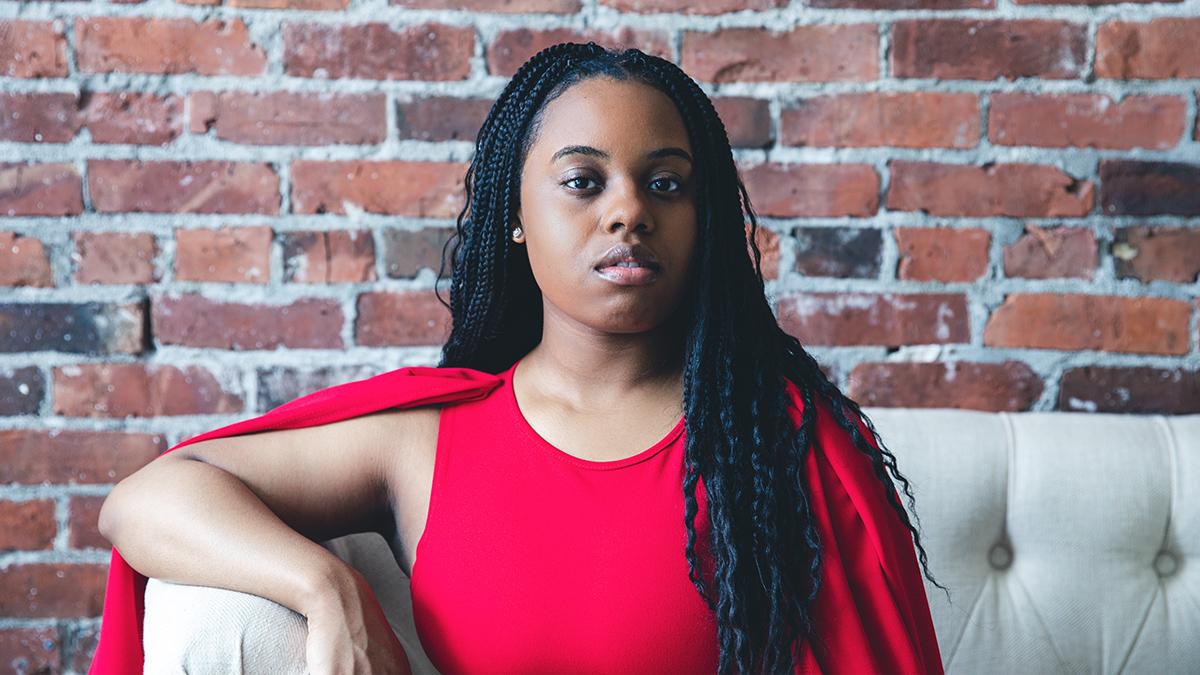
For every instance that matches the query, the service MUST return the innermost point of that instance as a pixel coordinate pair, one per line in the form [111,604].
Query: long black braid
[738,361]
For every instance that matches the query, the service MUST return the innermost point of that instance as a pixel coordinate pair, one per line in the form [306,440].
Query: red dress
[537,561]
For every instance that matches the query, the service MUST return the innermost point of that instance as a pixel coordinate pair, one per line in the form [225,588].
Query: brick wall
[209,209]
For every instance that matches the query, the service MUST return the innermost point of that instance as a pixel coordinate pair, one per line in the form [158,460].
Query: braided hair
[738,361]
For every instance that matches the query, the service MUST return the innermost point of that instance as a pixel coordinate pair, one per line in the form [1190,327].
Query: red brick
[84,518]
[47,117]
[850,318]
[209,186]
[27,525]
[294,118]
[838,251]
[747,120]
[40,190]
[513,47]
[68,456]
[787,190]
[21,391]
[1138,390]
[768,245]
[202,111]
[31,650]
[1149,188]
[230,254]
[52,590]
[1072,322]
[114,257]
[900,119]
[1086,120]
[423,189]
[335,257]
[490,6]
[140,390]
[1053,252]
[192,320]
[441,118]
[32,49]
[1162,48]
[374,51]
[135,118]
[1157,253]
[1088,2]
[1011,386]
[946,254]
[77,328]
[904,4]
[703,7]
[311,5]
[805,53]
[985,49]
[407,252]
[23,261]
[989,190]
[401,319]
[166,46]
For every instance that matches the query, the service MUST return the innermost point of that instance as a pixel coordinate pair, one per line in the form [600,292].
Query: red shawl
[879,623]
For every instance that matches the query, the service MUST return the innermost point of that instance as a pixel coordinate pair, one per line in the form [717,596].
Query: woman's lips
[628,276]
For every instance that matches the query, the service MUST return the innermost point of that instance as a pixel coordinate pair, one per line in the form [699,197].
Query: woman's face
[610,165]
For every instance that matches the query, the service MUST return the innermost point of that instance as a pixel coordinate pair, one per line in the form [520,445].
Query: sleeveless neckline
[558,453]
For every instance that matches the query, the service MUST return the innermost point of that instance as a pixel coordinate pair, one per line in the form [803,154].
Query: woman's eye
[572,180]
[668,178]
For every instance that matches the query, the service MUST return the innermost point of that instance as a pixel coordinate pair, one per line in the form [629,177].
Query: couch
[1067,541]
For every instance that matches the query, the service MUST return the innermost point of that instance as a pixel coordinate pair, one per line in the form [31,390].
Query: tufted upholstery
[1067,541]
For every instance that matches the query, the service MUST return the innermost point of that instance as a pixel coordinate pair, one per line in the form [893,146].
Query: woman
[631,466]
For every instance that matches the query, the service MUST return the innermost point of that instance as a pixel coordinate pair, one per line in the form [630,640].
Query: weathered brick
[1088,2]
[33,49]
[140,390]
[1135,390]
[83,522]
[508,7]
[1157,253]
[747,120]
[310,5]
[788,190]
[298,118]
[1052,252]
[893,319]
[424,189]
[1074,322]
[1146,188]
[69,456]
[512,47]
[805,53]
[226,254]
[21,391]
[192,320]
[37,117]
[52,590]
[334,257]
[1086,120]
[900,119]
[374,51]
[768,245]
[903,4]
[279,385]
[27,525]
[1162,48]
[40,190]
[407,252]
[202,111]
[75,328]
[946,254]
[135,118]
[838,251]
[708,7]
[1011,386]
[408,318]
[166,46]
[23,261]
[84,637]
[441,118]
[163,186]
[31,650]
[114,257]
[989,190]
[986,49]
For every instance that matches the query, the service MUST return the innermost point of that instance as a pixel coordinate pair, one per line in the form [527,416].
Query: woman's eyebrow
[595,152]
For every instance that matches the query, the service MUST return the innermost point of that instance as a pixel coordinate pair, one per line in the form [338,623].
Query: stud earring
[516,232]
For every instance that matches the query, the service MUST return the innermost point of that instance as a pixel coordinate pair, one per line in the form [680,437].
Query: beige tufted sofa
[1067,540]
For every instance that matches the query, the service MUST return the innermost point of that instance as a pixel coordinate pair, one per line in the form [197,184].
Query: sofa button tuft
[1165,564]
[1000,557]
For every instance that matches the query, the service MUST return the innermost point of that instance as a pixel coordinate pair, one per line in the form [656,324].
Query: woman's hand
[348,633]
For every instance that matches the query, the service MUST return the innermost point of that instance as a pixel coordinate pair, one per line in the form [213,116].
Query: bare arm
[245,512]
